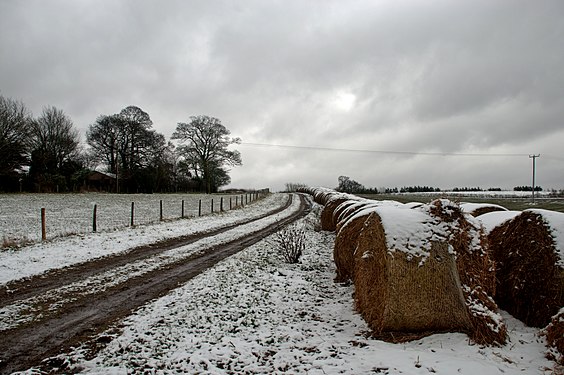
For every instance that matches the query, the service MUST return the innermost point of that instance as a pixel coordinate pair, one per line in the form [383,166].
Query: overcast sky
[449,93]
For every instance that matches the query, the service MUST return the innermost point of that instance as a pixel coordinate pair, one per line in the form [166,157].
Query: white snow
[407,230]
[254,314]
[494,219]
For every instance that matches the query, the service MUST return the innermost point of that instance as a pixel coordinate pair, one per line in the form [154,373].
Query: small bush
[291,243]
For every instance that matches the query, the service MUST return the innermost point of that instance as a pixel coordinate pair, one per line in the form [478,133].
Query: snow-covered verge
[255,314]
[17,263]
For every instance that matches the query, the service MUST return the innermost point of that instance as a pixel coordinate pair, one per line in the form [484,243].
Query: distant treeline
[348,185]
[527,188]
[122,153]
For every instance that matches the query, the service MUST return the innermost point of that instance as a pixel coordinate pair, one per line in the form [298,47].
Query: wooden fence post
[94,219]
[221,205]
[182,216]
[132,213]
[230,204]
[212,206]
[161,211]
[200,208]
[43,229]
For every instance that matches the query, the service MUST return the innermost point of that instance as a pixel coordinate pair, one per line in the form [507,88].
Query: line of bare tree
[45,154]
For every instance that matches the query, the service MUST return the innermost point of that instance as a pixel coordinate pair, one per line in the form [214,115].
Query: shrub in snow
[291,243]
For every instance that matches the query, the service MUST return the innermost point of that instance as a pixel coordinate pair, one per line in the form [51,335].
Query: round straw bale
[327,221]
[529,254]
[413,204]
[342,208]
[351,210]
[554,333]
[476,269]
[402,292]
[477,209]
[494,219]
[348,228]
[345,246]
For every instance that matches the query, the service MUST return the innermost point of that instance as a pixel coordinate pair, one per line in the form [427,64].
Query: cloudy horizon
[440,93]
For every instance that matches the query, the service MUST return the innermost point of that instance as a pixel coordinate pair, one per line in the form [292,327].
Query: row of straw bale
[417,269]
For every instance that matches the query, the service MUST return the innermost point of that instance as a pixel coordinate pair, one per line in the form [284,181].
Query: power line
[379,151]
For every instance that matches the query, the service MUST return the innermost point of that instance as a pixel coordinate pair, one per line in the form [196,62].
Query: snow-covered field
[254,314]
[17,263]
[20,214]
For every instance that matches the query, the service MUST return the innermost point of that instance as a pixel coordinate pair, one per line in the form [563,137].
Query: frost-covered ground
[255,314]
[20,214]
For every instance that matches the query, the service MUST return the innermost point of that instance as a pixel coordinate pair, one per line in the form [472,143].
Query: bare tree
[206,148]
[55,152]
[15,131]
[55,138]
[129,147]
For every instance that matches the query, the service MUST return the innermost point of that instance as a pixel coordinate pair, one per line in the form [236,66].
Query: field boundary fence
[67,214]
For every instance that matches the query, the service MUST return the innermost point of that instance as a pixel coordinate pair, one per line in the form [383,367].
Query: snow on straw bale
[327,214]
[406,290]
[530,276]
[418,269]
[348,229]
[491,220]
[476,268]
[477,209]
[349,226]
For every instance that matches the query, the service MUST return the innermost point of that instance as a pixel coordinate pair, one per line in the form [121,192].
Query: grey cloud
[441,76]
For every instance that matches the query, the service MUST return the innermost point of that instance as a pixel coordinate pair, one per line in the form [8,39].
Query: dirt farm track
[78,316]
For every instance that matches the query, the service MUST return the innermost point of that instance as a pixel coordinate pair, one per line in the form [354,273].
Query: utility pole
[534,157]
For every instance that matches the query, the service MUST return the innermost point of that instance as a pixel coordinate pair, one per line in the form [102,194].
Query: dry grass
[12,243]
